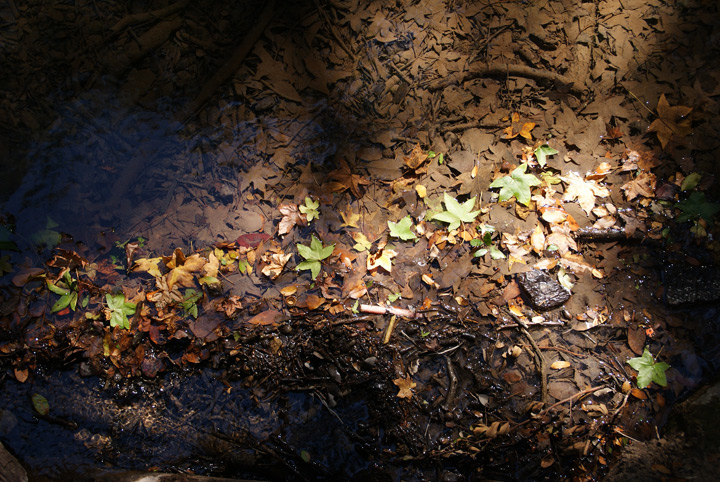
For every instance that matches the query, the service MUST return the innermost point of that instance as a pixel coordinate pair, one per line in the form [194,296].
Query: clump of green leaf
[456,213]
[67,288]
[542,152]
[517,184]
[697,206]
[119,309]
[189,302]
[313,254]
[649,370]
[485,243]
[310,209]
[440,156]
[402,229]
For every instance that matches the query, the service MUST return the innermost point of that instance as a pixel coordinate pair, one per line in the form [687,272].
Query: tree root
[230,67]
[507,69]
[137,18]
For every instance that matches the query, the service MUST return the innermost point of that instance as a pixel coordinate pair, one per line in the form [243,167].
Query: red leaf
[252,240]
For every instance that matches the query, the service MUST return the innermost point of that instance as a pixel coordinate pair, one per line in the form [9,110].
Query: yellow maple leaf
[350,218]
[182,268]
[671,121]
[382,259]
[516,128]
[148,265]
[362,243]
[405,385]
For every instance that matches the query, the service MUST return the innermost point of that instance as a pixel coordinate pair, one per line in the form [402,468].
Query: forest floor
[442,240]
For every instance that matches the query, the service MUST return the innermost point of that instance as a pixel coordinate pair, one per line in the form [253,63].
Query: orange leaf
[268,317]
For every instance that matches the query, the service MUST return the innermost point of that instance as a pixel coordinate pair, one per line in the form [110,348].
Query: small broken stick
[382,310]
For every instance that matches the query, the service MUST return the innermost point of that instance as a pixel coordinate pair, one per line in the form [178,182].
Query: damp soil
[168,154]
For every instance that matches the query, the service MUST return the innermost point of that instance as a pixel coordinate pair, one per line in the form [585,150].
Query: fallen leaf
[291,217]
[310,302]
[344,179]
[583,191]
[382,258]
[642,185]
[516,128]
[274,263]
[671,121]
[350,218]
[405,385]
[416,158]
[230,305]
[24,276]
[148,265]
[182,268]
[21,374]
[361,242]
[252,240]
[268,317]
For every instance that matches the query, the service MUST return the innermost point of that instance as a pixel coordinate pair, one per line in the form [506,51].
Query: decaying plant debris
[440,229]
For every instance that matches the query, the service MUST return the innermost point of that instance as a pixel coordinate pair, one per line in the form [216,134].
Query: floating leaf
[40,404]
[402,229]
[119,309]
[382,259]
[310,209]
[517,184]
[542,152]
[456,213]
[361,242]
[149,265]
[350,218]
[291,217]
[649,370]
[313,254]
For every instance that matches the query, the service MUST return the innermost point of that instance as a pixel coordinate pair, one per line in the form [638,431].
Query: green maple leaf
[119,310]
[313,254]
[542,152]
[310,209]
[402,229]
[516,184]
[456,213]
[697,206]
[649,370]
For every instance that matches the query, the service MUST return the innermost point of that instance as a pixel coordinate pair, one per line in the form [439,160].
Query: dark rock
[10,468]
[691,284]
[544,291]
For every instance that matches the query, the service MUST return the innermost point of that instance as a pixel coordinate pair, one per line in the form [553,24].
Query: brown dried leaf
[671,121]
[405,385]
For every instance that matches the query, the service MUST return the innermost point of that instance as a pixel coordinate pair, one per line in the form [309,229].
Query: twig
[579,394]
[389,329]
[382,310]
[506,69]
[540,359]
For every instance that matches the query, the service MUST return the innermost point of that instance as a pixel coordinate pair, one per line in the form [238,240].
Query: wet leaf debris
[447,227]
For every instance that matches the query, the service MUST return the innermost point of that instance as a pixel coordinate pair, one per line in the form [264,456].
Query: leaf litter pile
[488,224]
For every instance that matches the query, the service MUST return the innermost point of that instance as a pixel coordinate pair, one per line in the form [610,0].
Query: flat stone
[544,291]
